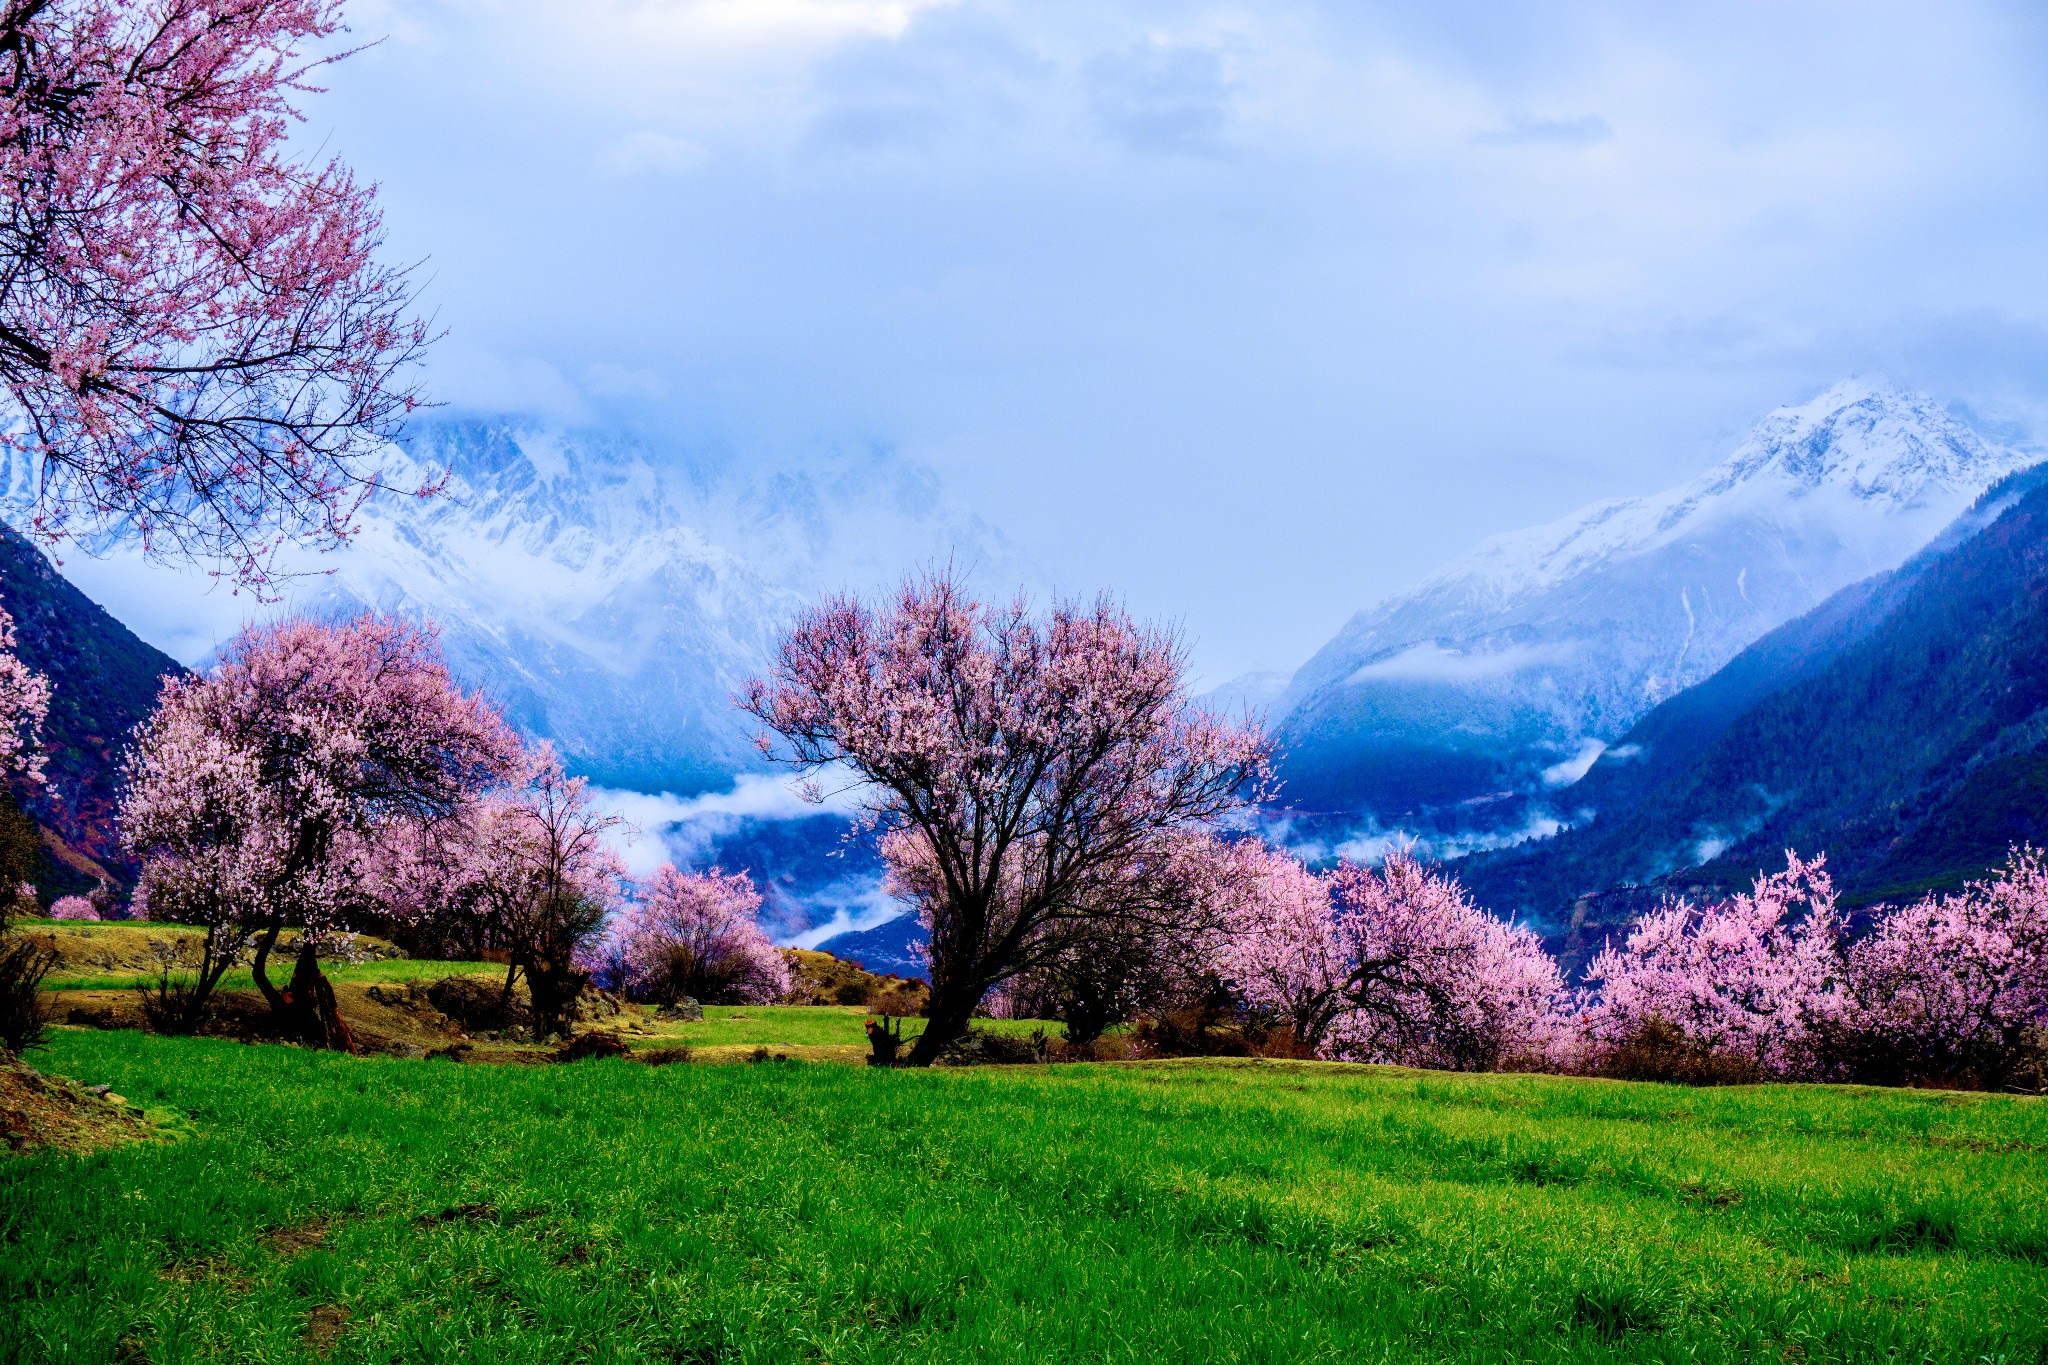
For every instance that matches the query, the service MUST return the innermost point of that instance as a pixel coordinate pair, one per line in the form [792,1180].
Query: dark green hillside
[103,682]
[1902,728]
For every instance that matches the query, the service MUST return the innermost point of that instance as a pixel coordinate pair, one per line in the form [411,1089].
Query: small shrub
[1660,1051]
[979,1047]
[24,1019]
[178,1006]
[74,908]
[1192,1031]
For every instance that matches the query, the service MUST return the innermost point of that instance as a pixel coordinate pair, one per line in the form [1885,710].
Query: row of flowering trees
[324,778]
[1059,811]
[1060,814]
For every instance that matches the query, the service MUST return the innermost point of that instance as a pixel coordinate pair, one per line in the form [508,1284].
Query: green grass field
[808,1026]
[385,1210]
[240,979]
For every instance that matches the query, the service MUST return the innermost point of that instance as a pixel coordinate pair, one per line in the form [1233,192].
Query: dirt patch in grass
[297,1239]
[53,1113]
[208,1270]
[324,1326]
[458,1213]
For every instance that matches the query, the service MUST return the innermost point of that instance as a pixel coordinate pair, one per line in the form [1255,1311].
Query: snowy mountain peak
[1542,642]
[1872,437]
[612,594]
[1861,442]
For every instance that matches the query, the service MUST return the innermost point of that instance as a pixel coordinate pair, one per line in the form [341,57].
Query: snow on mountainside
[610,595]
[1508,670]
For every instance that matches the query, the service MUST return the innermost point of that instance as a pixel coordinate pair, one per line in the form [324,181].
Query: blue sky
[1250,312]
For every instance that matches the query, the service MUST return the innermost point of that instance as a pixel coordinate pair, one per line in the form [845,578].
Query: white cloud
[1573,768]
[1433,663]
[851,906]
[665,828]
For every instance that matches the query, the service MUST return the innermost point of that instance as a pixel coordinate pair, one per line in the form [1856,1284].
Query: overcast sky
[1251,312]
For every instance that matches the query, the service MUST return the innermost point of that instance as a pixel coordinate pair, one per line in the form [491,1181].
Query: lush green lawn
[1180,1211]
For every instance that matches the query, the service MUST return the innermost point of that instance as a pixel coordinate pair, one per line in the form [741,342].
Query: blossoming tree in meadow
[1756,977]
[1955,988]
[1017,764]
[695,935]
[524,866]
[1392,964]
[257,794]
[196,337]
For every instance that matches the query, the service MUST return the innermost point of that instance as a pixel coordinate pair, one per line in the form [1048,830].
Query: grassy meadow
[375,1209]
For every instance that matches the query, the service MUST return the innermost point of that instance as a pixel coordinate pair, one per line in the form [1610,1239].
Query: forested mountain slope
[103,682]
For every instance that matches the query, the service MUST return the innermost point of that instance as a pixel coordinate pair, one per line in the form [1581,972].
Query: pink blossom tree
[1285,952]
[74,908]
[24,705]
[196,338]
[1433,980]
[1757,978]
[696,935]
[1024,763]
[1955,988]
[257,794]
[525,866]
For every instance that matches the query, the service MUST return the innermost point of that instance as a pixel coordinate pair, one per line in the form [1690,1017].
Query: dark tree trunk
[313,1009]
[946,1019]
[258,967]
[552,992]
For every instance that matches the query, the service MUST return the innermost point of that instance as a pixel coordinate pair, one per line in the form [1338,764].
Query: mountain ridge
[1504,671]
[1901,728]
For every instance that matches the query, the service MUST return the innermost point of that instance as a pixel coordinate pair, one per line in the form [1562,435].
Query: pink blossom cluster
[196,337]
[259,792]
[498,854]
[1957,986]
[24,703]
[695,935]
[1757,977]
[1391,964]
[74,908]
[1952,989]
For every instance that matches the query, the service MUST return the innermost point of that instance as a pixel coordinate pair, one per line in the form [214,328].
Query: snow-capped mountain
[610,595]
[1510,669]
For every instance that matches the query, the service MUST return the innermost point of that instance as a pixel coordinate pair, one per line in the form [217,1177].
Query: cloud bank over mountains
[1345,288]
